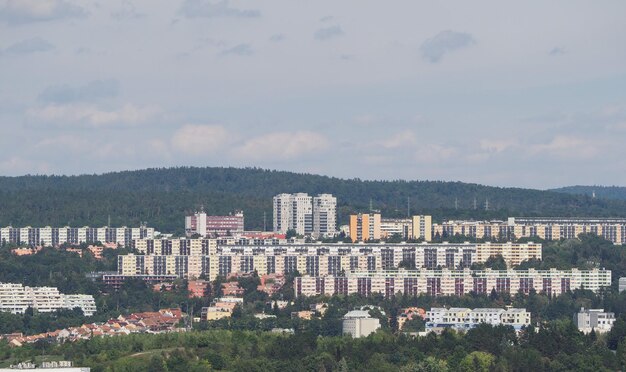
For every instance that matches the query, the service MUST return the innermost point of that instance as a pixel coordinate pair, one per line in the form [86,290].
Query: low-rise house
[410,313]
[304,314]
[232,289]
[359,323]
[319,308]
[596,320]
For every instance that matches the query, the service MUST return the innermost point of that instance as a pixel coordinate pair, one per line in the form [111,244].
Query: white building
[16,298]
[324,215]
[359,323]
[594,319]
[55,236]
[304,214]
[622,284]
[463,319]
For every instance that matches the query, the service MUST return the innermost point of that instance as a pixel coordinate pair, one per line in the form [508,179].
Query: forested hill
[163,196]
[604,192]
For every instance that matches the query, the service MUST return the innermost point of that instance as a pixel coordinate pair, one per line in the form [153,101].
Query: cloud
[434,48]
[28,46]
[566,146]
[239,50]
[277,37]
[209,9]
[556,51]
[93,116]
[92,91]
[194,139]
[26,11]
[282,145]
[327,33]
[127,12]
[402,139]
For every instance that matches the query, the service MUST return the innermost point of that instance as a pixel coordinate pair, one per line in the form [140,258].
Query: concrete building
[324,215]
[547,228]
[622,284]
[316,216]
[365,227]
[192,258]
[447,282]
[402,227]
[594,319]
[422,228]
[213,226]
[56,236]
[463,319]
[359,323]
[16,298]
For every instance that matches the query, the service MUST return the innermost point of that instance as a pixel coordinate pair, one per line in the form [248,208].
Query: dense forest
[603,192]
[161,197]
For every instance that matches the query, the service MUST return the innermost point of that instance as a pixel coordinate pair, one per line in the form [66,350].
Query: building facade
[359,323]
[402,227]
[547,228]
[316,216]
[56,236]
[192,258]
[464,319]
[447,282]
[365,227]
[213,226]
[16,298]
[596,320]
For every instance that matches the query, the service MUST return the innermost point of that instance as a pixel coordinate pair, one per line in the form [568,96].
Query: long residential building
[463,319]
[16,298]
[452,282]
[547,228]
[370,226]
[55,236]
[192,258]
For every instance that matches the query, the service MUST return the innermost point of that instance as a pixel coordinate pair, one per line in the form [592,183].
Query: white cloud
[567,146]
[434,48]
[402,139]
[27,11]
[91,115]
[194,139]
[282,145]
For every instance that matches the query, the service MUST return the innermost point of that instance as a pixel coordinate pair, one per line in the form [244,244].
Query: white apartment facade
[55,236]
[463,319]
[306,215]
[16,298]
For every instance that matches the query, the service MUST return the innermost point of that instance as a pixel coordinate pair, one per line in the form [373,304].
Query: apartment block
[422,228]
[547,228]
[316,216]
[463,319]
[402,227]
[16,298]
[365,227]
[56,236]
[192,258]
[447,282]
[214,226]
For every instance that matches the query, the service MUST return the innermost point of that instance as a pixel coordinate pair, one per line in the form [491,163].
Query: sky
[525,93]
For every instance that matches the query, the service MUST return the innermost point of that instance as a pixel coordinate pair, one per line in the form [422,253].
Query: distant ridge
[163,196]
[604,192]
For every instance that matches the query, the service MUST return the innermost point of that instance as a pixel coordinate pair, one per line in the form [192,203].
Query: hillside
[603,192]
[163,196]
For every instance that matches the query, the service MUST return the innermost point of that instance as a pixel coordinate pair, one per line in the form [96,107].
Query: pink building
[200,223]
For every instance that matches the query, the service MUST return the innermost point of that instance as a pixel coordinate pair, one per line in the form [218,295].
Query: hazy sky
[525,93]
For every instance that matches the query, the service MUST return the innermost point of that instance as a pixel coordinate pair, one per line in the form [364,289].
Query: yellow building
[422,227]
